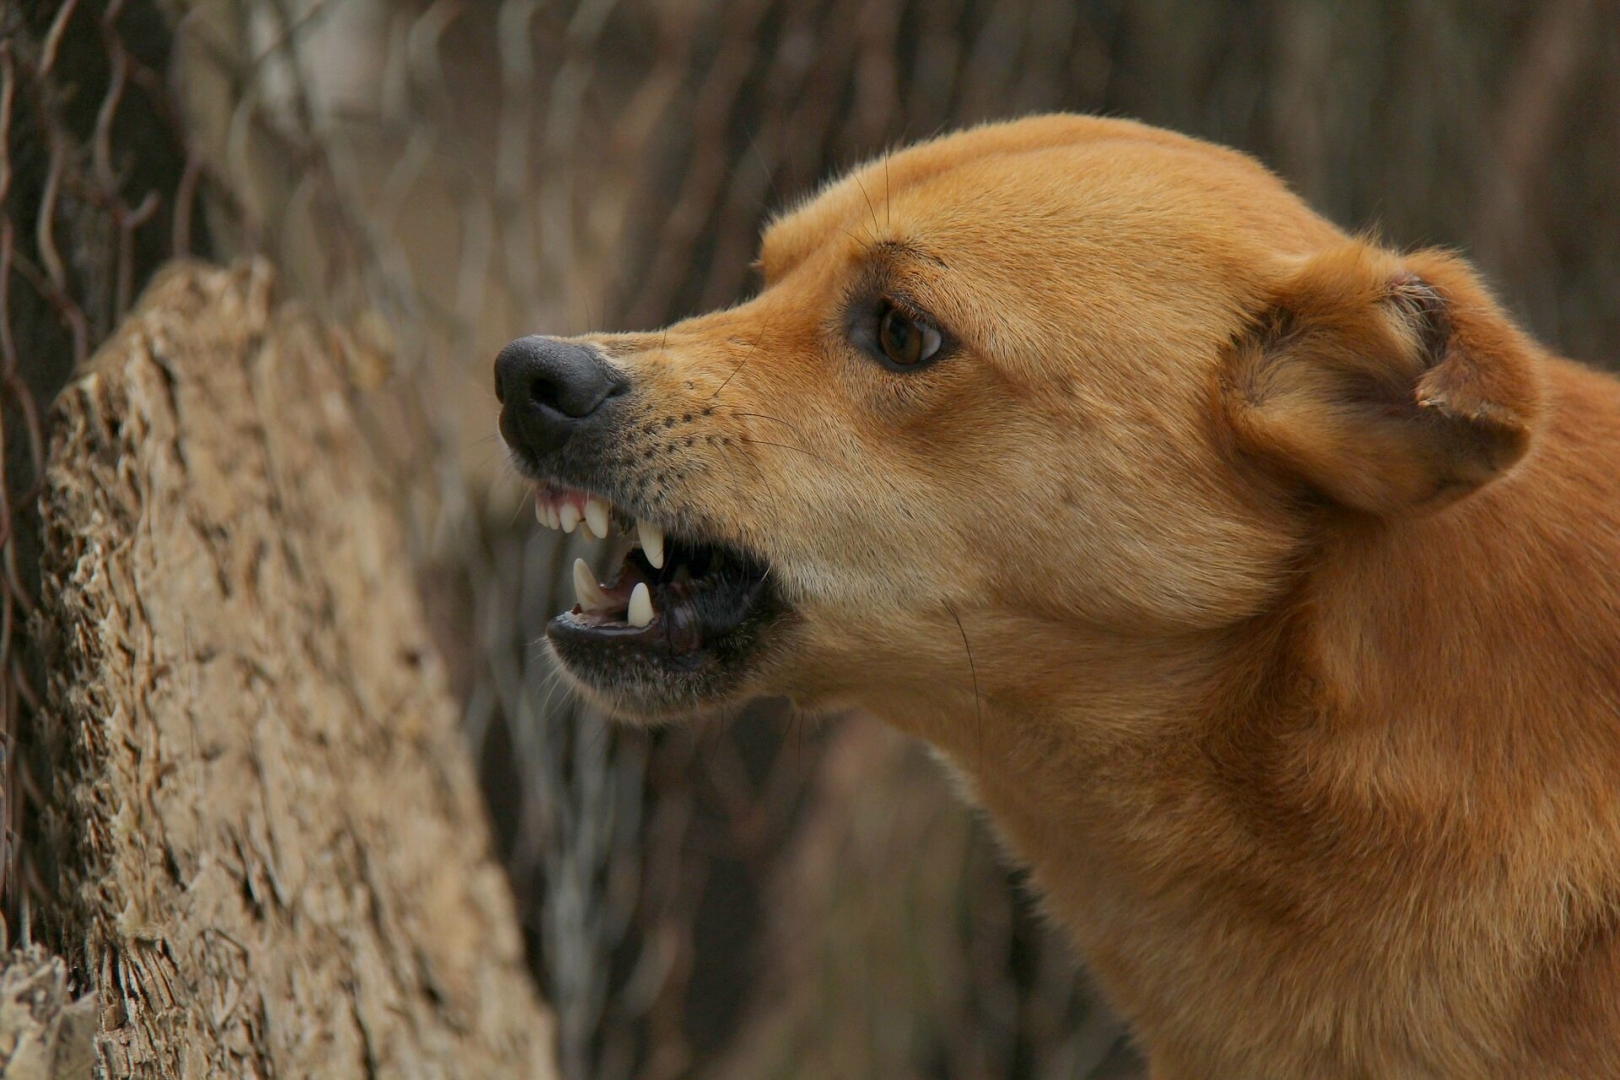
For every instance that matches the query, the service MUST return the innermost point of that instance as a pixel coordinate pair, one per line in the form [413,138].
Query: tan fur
[1263,584]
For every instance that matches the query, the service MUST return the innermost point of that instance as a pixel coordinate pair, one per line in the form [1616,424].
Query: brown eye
[904,340]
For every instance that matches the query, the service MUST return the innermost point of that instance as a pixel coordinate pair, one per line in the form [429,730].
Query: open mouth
[677,622]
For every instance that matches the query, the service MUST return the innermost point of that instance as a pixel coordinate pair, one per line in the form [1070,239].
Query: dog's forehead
[1049,179]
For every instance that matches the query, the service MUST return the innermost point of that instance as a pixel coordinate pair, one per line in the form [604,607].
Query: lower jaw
[633,679]
[639,687]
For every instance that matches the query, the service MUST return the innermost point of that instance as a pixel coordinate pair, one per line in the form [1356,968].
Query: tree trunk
[269,854]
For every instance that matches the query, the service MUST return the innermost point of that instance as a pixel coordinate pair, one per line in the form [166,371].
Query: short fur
[1260,581]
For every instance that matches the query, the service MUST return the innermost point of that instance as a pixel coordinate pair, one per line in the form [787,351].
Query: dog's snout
[548,388]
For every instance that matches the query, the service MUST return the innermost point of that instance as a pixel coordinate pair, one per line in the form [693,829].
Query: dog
[1262,583]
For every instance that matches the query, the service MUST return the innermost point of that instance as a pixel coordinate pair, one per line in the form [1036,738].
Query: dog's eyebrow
[907,249]
[901,269]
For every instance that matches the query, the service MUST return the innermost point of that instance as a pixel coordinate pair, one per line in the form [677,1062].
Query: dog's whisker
[888,205]
[973,671]
[746,357]
[789,446]
[736,481]
[870,209]
[737,410]
[904,510]
[867,245]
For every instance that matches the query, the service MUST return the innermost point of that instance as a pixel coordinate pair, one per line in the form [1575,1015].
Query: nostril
[573,392]
[547,391]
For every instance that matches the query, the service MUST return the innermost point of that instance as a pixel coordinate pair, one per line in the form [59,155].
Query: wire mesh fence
[97,190]
[439,176]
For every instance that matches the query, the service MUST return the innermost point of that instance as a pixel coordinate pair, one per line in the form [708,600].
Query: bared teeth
[567,510]
[596,516]
[545,507]
[652,542]
[641,608]
[591,596]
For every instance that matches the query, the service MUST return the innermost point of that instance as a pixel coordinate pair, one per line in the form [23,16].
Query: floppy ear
[1386,383]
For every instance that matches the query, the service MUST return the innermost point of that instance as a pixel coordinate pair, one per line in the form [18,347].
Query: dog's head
[1051,382]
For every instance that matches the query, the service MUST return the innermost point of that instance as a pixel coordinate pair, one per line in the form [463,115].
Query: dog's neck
[1113,729]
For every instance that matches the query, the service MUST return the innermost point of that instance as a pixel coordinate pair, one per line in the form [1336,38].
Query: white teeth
[596,516]
[591,596]
[568,510]
[641,609]
[652,542]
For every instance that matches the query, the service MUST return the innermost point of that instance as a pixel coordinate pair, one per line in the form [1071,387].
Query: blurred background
[782,897]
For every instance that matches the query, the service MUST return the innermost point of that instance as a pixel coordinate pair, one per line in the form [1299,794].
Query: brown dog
[1263,584]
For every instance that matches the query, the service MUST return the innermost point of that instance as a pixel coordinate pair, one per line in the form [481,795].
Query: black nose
[548,389]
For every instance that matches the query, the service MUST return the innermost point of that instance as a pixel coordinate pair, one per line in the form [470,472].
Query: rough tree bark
[45,1033]
[269,852]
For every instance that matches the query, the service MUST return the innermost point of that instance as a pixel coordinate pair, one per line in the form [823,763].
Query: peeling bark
[270,857]
[44,1033]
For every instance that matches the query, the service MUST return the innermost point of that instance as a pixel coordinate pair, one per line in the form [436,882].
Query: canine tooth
[569,514]
[591,596]
[641,609]
[652,542]
[596,516]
